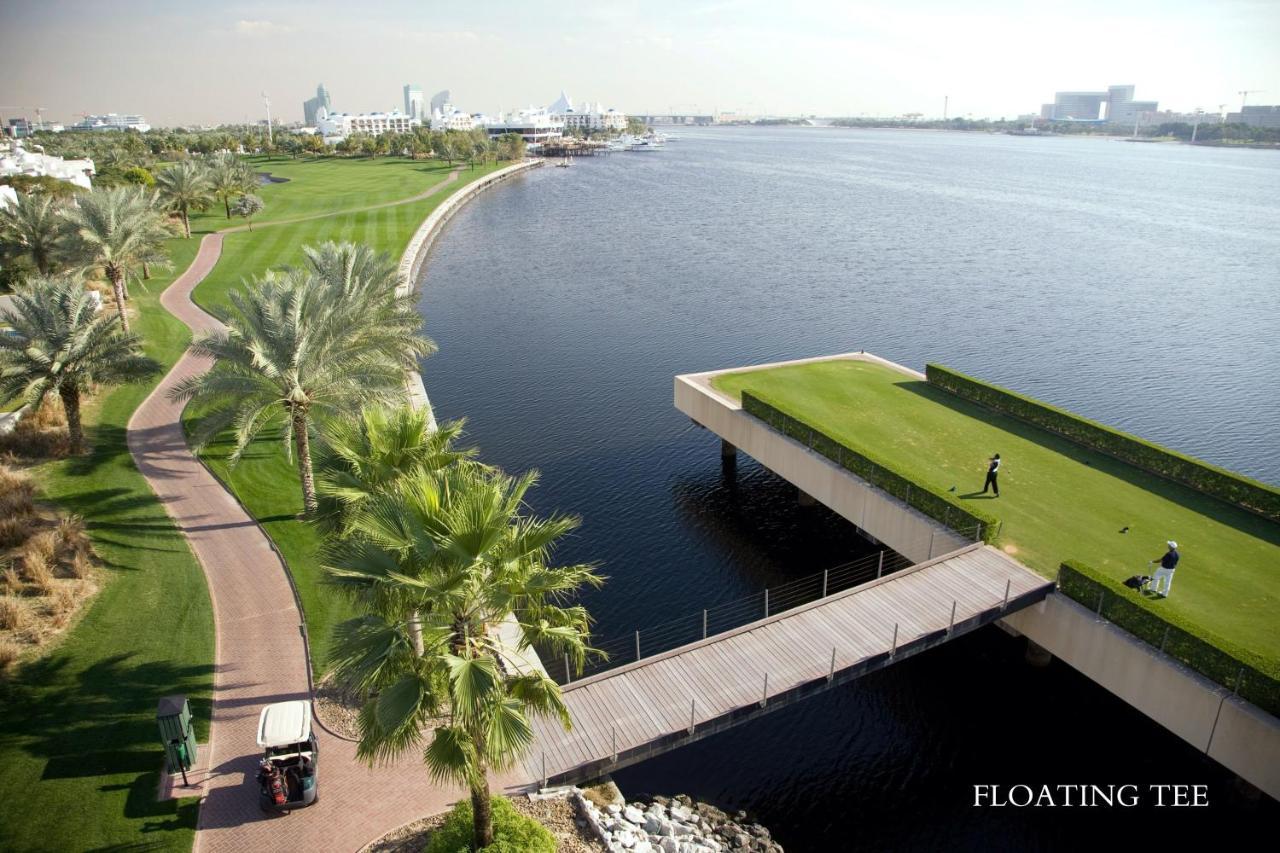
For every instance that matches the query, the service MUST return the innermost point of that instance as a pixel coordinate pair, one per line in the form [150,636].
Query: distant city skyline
[185,63]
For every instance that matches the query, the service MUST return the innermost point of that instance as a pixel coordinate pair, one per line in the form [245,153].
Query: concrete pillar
[1037,655]
[805,498]
[727,450]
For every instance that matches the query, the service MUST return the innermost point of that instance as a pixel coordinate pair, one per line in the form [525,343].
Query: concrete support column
[727,450]
[805,498]
[1037,655]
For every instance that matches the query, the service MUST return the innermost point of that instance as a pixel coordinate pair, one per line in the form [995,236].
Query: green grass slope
[1057,500]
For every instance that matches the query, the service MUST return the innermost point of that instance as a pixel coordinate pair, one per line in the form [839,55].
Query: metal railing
[708,622]
[867,568]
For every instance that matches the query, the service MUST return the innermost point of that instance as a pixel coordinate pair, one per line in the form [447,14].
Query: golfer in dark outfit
[992,470]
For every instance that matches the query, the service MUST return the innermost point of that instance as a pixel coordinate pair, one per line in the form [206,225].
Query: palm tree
[33,228]
[59,343]
[114,230]
[438,563]
[377,449]
[185,187]
[291,348]
[229,176]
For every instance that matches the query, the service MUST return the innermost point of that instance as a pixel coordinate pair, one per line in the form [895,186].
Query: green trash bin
[177,733]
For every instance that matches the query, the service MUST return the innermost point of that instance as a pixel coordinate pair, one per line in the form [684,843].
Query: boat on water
[564,164]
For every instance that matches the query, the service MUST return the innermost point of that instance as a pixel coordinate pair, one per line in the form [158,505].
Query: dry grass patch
[41,434]
[47,570]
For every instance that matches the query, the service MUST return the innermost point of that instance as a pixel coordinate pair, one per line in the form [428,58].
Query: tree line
[435,548]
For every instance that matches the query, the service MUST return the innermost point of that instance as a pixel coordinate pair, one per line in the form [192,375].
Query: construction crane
[1244,95]
[38,110]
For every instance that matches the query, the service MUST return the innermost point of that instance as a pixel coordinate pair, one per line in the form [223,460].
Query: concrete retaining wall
[905,530]
[415,254]
[1238,735]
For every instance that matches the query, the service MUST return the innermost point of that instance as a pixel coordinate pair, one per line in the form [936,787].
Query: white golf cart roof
[284,724]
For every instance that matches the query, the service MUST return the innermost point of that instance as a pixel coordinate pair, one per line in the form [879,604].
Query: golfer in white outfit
[1168,563]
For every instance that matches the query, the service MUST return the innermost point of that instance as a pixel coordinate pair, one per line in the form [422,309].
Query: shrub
[43,545]
[1225,485]
[36,569]
[62,605]
[71,532]
[48,415]
[512,831]
[939,506]
[28,441]
[9,653]
[12,614]
[14,530]
[17,493]
[10,578]
[1243,670]
[80,566]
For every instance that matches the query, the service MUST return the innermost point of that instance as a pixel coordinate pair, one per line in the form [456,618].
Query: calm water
[1135,284]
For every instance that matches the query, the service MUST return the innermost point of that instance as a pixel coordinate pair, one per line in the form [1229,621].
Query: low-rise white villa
[337,126]
[447,117]
[535,125]
[112,121]
[586,115]
[17,160]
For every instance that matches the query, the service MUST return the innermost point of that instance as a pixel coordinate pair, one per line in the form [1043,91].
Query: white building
[449,118]
[112,121]
[413,102]
[587,116]
[336,126]
[19,161]
[535,124]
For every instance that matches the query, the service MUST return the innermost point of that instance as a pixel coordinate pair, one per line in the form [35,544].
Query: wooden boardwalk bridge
[658,703]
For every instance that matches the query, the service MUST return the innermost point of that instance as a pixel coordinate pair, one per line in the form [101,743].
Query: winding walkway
[261,656]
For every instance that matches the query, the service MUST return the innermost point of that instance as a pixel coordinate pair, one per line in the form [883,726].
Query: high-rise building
[1123,109]
[311,106]
[438,100]
[1078,106]
[413,101]
[1257,115]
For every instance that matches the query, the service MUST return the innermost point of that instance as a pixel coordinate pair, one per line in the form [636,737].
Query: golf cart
[287,772]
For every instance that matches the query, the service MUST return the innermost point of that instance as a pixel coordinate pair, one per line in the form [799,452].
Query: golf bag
[1138,582]
[272,782]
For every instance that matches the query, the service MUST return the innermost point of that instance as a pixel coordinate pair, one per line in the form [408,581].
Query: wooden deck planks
[648,701]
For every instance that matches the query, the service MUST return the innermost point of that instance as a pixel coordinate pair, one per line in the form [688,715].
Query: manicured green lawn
[329,185]
[79,754]
[265,480]
[1057,499]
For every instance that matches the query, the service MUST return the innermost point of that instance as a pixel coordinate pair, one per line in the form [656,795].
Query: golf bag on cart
[272,782]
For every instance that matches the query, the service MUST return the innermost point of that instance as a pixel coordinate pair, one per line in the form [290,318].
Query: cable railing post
[613,759]
[568,676]
[893,650]
[704,624]
[1101,593]
[831,674]
[764,694]
[1164,639]
[825,572]
[692,704]
[952,624]
[1005,604]
[766,602]
[637,645]
[880,568]
[544,770]
[932,531]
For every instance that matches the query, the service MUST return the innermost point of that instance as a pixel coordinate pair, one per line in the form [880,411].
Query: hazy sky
[178,61]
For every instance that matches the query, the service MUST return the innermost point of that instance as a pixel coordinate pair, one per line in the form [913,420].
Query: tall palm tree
[290,348]
[438,563]
[229,176]
[184,187]
[33,228]
[377,449]
[60,344]
[115,231]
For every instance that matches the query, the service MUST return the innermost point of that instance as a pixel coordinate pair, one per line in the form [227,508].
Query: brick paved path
[260,654]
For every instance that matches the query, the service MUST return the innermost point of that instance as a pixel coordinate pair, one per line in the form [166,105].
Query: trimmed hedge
[512,831]
[1220,483]
[939,506]
[1232,666]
